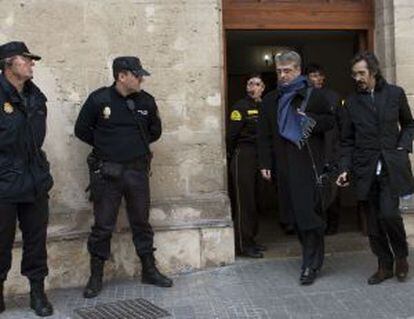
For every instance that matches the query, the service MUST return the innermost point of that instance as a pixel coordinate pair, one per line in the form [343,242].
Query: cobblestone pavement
[255,289]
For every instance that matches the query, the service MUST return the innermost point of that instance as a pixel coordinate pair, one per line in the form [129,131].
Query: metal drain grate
[123,309]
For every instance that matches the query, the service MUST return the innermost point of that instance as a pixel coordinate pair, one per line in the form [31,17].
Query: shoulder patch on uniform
[8,108]
[252,112]
[235,116]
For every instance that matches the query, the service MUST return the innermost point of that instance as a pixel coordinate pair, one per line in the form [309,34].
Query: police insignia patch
[106,112]
[8,108]
[235,116]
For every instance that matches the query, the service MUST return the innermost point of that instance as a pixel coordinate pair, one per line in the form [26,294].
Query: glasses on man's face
[359,74]
[284,71]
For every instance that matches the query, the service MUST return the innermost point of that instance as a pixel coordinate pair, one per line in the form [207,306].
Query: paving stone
[254,289]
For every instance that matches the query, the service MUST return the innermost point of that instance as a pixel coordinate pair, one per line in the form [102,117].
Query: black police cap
[129,63]
[13,48]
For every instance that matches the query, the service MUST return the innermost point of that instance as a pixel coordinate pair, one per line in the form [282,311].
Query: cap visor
[141,72]
[32,56]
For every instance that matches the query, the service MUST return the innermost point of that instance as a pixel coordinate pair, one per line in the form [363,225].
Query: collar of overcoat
[380,99]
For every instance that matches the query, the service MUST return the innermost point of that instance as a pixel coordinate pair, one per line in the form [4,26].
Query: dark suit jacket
[293,166]
[373,131]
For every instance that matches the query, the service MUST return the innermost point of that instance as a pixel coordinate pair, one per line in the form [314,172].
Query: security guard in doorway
[242,148]
[25,178]
[120,122]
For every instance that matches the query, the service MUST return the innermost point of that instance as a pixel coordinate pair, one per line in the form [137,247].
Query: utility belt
[114,170]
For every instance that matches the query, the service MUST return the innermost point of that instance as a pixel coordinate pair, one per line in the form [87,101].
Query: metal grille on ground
[123,309]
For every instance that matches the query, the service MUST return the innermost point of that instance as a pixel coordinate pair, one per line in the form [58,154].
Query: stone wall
[404,75]
[394,45]
[179,42]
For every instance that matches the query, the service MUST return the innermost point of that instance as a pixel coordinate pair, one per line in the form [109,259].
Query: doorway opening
[252,51]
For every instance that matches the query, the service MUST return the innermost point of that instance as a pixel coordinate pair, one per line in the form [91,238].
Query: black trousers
[245,174]
[313,247]
[107,196]
[33,220]
[386,230]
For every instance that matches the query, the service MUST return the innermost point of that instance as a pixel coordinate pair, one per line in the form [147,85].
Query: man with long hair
[376,137]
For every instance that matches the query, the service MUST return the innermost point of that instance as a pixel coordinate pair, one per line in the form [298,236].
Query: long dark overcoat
[293,166]
[374,129]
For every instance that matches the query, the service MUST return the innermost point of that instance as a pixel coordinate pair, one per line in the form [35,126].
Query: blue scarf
[293,126]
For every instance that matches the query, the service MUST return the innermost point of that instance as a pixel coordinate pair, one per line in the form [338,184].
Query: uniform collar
[11,91]
[130,96]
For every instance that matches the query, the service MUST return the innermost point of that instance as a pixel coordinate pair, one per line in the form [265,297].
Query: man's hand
[342,180]
[266,174]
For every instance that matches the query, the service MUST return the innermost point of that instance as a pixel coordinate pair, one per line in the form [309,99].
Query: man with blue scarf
[291,147]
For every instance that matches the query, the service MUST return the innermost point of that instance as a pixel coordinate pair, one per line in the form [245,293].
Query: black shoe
[308,276]
[260,247]
[38,300]
[252,252]
[383,273]
[94,285]
[2,305]
[151,275]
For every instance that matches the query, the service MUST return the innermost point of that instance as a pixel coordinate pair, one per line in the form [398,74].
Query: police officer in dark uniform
[120,122]
[24,172]
[242,148]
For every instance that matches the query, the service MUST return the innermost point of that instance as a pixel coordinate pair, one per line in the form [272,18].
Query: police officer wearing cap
[24,172]
[242,149]
[120,122]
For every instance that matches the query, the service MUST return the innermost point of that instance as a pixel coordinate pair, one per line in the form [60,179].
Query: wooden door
[301,15]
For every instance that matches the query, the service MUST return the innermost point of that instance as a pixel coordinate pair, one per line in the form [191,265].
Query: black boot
[308,276]
[2,306]
[38,299]
[150,273]
[401,269]
[94,285]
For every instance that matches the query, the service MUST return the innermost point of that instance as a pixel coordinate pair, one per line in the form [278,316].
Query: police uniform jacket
[373,129]
[242,127]
[117,132]
[24,169]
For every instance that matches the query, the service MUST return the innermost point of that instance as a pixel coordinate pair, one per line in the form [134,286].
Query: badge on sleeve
[106,112]
[8,108]
[235,116]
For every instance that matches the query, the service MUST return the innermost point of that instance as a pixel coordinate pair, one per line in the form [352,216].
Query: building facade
[182,44]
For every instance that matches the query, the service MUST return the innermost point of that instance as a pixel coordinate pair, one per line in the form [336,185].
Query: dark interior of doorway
[248,52]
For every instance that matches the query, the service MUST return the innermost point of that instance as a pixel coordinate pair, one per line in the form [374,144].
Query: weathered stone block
[178,251]
[217,247]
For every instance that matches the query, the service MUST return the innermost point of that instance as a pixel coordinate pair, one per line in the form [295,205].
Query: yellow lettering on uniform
[235,116]
[252,112]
